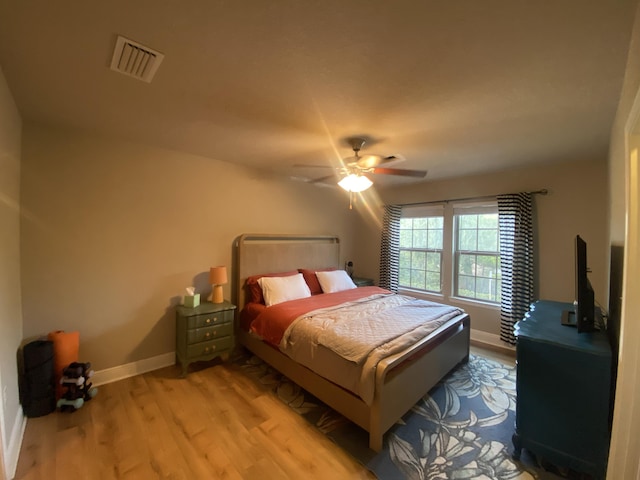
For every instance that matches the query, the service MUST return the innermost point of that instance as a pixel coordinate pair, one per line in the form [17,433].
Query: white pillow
[335,281]
[281,289]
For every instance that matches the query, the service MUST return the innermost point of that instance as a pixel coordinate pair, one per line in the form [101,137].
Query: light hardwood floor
[215,424]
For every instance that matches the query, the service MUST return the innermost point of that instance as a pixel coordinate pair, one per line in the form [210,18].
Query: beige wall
[576,204]
[113,232]
[10,301]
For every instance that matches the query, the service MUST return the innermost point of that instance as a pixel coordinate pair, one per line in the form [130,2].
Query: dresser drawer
[209,319]
[210,347]
[203,334]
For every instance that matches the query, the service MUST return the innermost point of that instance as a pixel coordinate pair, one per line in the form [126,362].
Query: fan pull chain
[352,199]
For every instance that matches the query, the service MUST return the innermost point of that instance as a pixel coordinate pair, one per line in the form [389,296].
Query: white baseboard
[490,339]
[15,442]
[127,370]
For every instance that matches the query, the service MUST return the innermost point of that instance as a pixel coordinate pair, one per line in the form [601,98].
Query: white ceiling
[456,87]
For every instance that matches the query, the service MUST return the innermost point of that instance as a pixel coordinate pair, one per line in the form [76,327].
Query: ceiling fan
[356,168]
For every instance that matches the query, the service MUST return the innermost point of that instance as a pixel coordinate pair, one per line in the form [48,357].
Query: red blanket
[271,324]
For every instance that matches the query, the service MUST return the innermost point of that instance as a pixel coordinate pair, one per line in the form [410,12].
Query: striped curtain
[390,247]
[516,260]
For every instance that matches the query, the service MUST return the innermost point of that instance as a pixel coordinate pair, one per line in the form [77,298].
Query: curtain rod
[543,191]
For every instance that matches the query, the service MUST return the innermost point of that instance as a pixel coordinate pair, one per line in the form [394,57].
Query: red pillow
[254,290]
[312,279]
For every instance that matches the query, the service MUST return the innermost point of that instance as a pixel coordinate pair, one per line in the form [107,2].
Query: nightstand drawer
[209,333]
[211,347]
[209,319]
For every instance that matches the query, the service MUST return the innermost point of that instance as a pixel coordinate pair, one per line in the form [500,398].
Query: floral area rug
[461,430]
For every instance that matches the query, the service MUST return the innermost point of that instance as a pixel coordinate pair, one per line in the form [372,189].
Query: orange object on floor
[65,351]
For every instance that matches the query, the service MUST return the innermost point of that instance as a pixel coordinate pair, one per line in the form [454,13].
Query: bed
[399,379]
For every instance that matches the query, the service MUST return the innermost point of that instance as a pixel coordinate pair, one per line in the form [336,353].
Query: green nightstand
[363,282]
[204,332]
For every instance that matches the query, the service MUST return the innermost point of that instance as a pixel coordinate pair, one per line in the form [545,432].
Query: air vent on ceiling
[135,60]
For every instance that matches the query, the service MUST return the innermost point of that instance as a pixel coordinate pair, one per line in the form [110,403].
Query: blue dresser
[563,391]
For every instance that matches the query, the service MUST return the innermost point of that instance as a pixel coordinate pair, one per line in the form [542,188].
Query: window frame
[424,211]
[481,208]
[449,266]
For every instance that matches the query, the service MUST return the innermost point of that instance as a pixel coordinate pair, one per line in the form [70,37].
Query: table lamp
[217,278]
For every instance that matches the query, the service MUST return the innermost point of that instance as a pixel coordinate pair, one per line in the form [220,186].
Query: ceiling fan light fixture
[355,183]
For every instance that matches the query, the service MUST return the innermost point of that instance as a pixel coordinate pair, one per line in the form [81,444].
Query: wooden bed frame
[401,379]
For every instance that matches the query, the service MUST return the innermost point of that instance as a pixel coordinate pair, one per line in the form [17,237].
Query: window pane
[467,240]
[466,286]
[406,223]
[433,262]
[466,264]
[404,277]
[486,266]
[405,259]
[420,223]
[489,220]
[419,239]
[487,240]
[433,281]
[435,239]
[485,289]
[436,222]
[468,221]
[418,260]
[405,238]
[418,279]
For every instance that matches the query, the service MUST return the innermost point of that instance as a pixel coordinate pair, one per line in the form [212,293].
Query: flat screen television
[583,313]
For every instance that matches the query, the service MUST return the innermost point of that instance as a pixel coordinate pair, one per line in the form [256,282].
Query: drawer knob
[206,350]
[208,320]
[207,334]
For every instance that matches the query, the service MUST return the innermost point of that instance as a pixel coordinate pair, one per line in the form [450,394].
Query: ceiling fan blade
[399,171]
[372,161]
[322,179]
[302,165]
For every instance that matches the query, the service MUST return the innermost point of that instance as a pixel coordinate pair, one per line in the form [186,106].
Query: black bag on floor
[39,393]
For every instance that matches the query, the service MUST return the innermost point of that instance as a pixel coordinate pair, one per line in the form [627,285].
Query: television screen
[582,315]
[584,292]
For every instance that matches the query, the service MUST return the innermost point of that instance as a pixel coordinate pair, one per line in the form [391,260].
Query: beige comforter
[363,332]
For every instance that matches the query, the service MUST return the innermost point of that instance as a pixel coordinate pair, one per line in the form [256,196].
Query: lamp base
[217,296]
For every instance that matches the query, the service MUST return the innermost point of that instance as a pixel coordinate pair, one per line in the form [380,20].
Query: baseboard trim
[15,442]
[127,370]
[490,340]
[108,375]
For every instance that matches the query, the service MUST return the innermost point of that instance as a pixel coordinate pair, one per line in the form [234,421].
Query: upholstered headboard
[269,253]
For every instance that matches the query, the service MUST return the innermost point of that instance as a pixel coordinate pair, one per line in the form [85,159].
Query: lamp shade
[355,183]
[218,275]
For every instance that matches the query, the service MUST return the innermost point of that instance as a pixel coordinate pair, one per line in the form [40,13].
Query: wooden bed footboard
[401,379]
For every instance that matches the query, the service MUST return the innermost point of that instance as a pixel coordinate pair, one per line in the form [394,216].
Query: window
[421,241]
[477,255]
[452,250]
